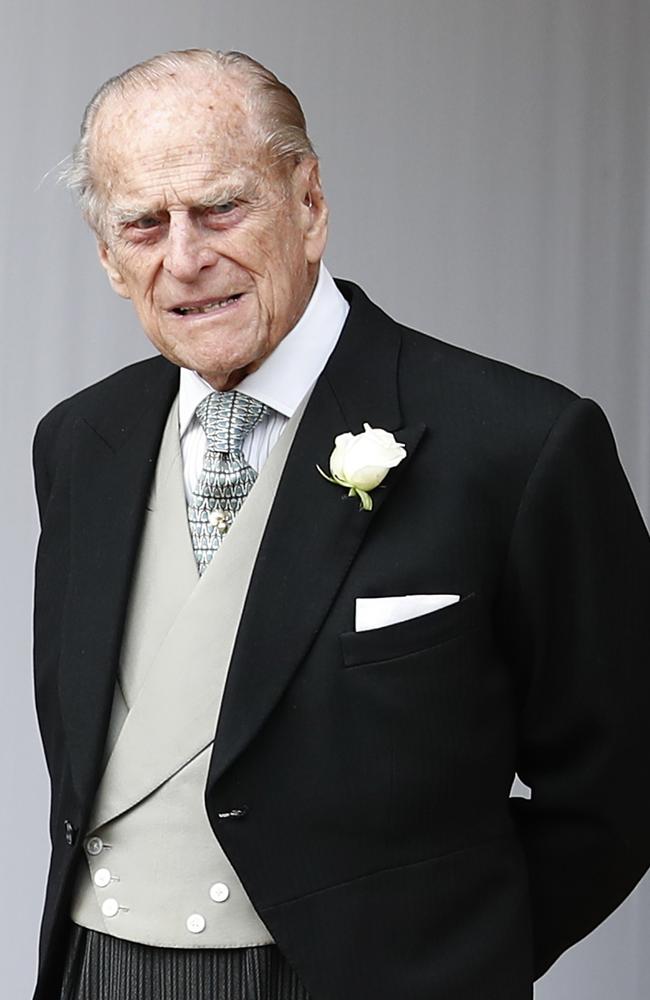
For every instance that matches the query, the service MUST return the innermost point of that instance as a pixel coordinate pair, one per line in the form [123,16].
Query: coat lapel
[310,541]
[115,455]
[313,531]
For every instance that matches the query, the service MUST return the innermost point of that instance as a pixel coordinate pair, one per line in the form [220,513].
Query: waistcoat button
[195,923]
[110,907]
[219,892]
[102,877]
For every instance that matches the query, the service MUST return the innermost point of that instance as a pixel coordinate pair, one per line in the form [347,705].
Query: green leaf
[325,476]
[353,491]
[365,498]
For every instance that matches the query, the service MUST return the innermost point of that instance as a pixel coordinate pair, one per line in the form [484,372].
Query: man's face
[217,248]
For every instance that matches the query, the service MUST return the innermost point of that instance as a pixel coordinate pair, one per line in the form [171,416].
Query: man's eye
[146,222]
[224,208]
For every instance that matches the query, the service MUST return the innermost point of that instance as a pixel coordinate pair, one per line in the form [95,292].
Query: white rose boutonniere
[360,462]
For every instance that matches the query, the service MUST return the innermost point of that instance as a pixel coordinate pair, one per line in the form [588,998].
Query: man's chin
[224,378]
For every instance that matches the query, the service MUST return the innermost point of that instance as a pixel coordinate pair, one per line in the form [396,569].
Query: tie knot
[228,417]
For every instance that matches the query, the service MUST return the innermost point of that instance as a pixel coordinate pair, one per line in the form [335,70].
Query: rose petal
[368,476]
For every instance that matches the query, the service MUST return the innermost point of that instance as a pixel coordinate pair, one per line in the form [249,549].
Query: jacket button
[94,846]
[233,813]
[70,833]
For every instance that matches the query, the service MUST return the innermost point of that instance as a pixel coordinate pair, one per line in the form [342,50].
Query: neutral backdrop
[487,164]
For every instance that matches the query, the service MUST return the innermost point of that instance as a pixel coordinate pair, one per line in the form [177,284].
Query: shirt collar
[288,373]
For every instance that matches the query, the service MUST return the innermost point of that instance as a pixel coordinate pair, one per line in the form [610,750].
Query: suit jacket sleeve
[575,612]
[42,478]
[50,451]
[50,433]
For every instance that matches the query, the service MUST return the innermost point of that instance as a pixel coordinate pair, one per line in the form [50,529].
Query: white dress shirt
[281,381]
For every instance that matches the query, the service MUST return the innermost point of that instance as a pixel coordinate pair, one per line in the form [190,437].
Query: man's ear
[314,208]
[112,270]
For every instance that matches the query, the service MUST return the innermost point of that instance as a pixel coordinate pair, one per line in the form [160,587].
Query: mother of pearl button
[219,892]
[110,907]
[195,923]
[102,877]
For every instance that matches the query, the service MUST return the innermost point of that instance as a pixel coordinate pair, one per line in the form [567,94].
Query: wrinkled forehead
[198,129]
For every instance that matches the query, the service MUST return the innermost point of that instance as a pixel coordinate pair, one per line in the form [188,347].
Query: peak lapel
[116,444]
[314,530]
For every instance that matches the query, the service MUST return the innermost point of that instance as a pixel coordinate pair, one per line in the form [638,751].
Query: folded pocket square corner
[376,612]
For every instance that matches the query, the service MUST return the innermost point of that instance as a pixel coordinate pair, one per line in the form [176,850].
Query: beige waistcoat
[154,872]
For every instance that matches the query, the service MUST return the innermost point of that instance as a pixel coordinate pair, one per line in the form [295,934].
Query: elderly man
[283,697]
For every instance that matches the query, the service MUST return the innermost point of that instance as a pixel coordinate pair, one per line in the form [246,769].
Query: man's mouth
[205,307]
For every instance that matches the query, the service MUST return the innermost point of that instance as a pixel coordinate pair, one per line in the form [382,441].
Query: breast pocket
[415,635]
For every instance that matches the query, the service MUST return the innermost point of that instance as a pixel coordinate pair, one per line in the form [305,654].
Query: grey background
[486,163]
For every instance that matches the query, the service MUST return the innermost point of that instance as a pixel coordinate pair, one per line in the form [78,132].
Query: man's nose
[188,249]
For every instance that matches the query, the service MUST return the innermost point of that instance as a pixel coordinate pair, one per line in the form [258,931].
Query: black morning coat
[367,774]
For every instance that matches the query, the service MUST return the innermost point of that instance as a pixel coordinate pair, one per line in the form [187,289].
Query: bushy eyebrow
[219,194]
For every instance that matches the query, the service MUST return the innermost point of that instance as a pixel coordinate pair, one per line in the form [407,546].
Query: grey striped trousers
[101,967]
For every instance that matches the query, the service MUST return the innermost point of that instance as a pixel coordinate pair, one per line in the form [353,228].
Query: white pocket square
[375,612]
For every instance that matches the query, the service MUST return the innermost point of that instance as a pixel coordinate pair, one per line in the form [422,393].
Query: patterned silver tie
[226,480]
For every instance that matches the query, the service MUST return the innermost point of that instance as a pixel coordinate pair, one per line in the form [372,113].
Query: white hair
[274,110]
